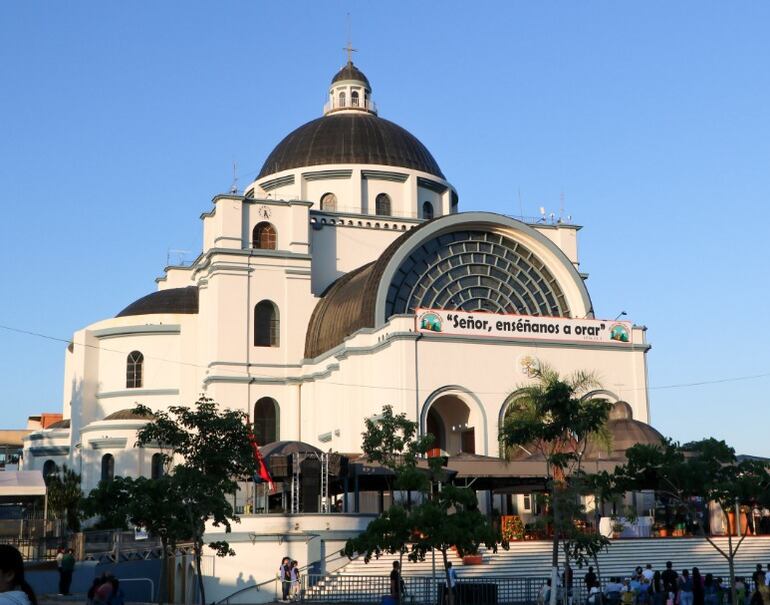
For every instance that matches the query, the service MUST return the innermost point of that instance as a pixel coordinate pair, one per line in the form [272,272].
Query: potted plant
[473,558]
[512,528]
[617,528]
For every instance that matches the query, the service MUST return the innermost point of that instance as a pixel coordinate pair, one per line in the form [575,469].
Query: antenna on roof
[521,206]
[349,48]
[561,206]
[234,186]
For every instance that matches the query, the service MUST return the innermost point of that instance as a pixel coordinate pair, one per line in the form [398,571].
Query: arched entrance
[456,422]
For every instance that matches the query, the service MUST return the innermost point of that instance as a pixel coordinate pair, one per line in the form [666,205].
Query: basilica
[344,278]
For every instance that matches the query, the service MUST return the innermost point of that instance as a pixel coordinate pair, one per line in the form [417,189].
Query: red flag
[262,473]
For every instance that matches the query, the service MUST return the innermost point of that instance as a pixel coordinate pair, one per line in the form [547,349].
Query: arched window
[354,99]
[134,364]
[382,205]
[329,202]
[263,237]
[266,324]
[156,466]
[427,211]
[342,99]
[49,469]
[266,420]
[108,467]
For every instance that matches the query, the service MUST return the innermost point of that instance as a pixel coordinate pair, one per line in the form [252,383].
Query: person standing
[670,581]
[758,577]
[284,575]
[14,589]
[590,578]
[59,557]
[294,580]
[395,582]
[67,569]
[685,589]
[452,572]
[697,587]
[647,573]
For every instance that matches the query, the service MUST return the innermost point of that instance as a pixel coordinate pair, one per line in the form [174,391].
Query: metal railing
[426,590]
[337,104]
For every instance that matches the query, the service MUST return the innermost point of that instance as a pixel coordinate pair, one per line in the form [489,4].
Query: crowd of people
[647,586]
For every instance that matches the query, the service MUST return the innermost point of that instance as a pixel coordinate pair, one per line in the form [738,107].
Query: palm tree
[555,417]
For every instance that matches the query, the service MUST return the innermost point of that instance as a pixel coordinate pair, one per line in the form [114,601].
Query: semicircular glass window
[475,271]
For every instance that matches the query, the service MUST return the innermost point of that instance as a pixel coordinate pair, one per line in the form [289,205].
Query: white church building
[343,279]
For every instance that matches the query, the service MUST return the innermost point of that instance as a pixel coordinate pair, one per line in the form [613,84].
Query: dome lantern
[350,90]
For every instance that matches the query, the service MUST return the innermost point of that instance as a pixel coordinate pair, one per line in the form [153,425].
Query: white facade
[334,339]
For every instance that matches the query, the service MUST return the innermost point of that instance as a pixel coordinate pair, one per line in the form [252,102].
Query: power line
[68,341]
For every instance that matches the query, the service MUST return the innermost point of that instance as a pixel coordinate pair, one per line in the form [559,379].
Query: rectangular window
[528,503]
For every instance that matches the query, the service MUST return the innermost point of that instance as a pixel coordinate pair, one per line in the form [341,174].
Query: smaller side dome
[621,410]
[128,414]
[61,424]
[351,72]
[172,300]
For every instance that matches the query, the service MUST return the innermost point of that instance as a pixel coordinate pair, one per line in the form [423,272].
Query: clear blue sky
[120,120]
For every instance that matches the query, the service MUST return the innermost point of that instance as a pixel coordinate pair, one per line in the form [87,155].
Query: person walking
[14,589]
[67,569]
[685,589]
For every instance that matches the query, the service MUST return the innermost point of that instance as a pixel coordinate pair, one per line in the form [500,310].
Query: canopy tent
[22,483]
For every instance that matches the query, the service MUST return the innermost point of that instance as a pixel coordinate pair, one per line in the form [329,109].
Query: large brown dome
[350,138]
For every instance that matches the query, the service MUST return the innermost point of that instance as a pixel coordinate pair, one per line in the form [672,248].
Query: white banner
[524,326]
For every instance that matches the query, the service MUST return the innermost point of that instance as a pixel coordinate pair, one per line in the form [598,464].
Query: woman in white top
[14,589]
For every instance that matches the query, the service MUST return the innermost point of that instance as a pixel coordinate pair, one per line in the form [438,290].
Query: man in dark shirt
[395,582]
[758,577]
[590,579]
[669,577]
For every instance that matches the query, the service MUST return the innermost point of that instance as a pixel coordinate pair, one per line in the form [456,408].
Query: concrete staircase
[530,562]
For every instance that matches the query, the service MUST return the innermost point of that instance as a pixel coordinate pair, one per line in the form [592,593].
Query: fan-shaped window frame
[329,202]
[264,236]
[134,370]
[267,420]
[267,324]
[341,98]
[382,205]
[354,98]
[108,468]
[428,213]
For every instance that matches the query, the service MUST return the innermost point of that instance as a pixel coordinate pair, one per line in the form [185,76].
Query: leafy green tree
[707,469]
[442,520]
[555,417]
[158,506]
[65,496]
[392,440]
[450,519]
[209,452]
[108,503]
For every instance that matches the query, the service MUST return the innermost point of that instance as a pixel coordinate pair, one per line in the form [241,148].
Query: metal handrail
[256,587]
[152,584]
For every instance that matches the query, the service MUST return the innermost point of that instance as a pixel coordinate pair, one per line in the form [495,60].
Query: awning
[22,483]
